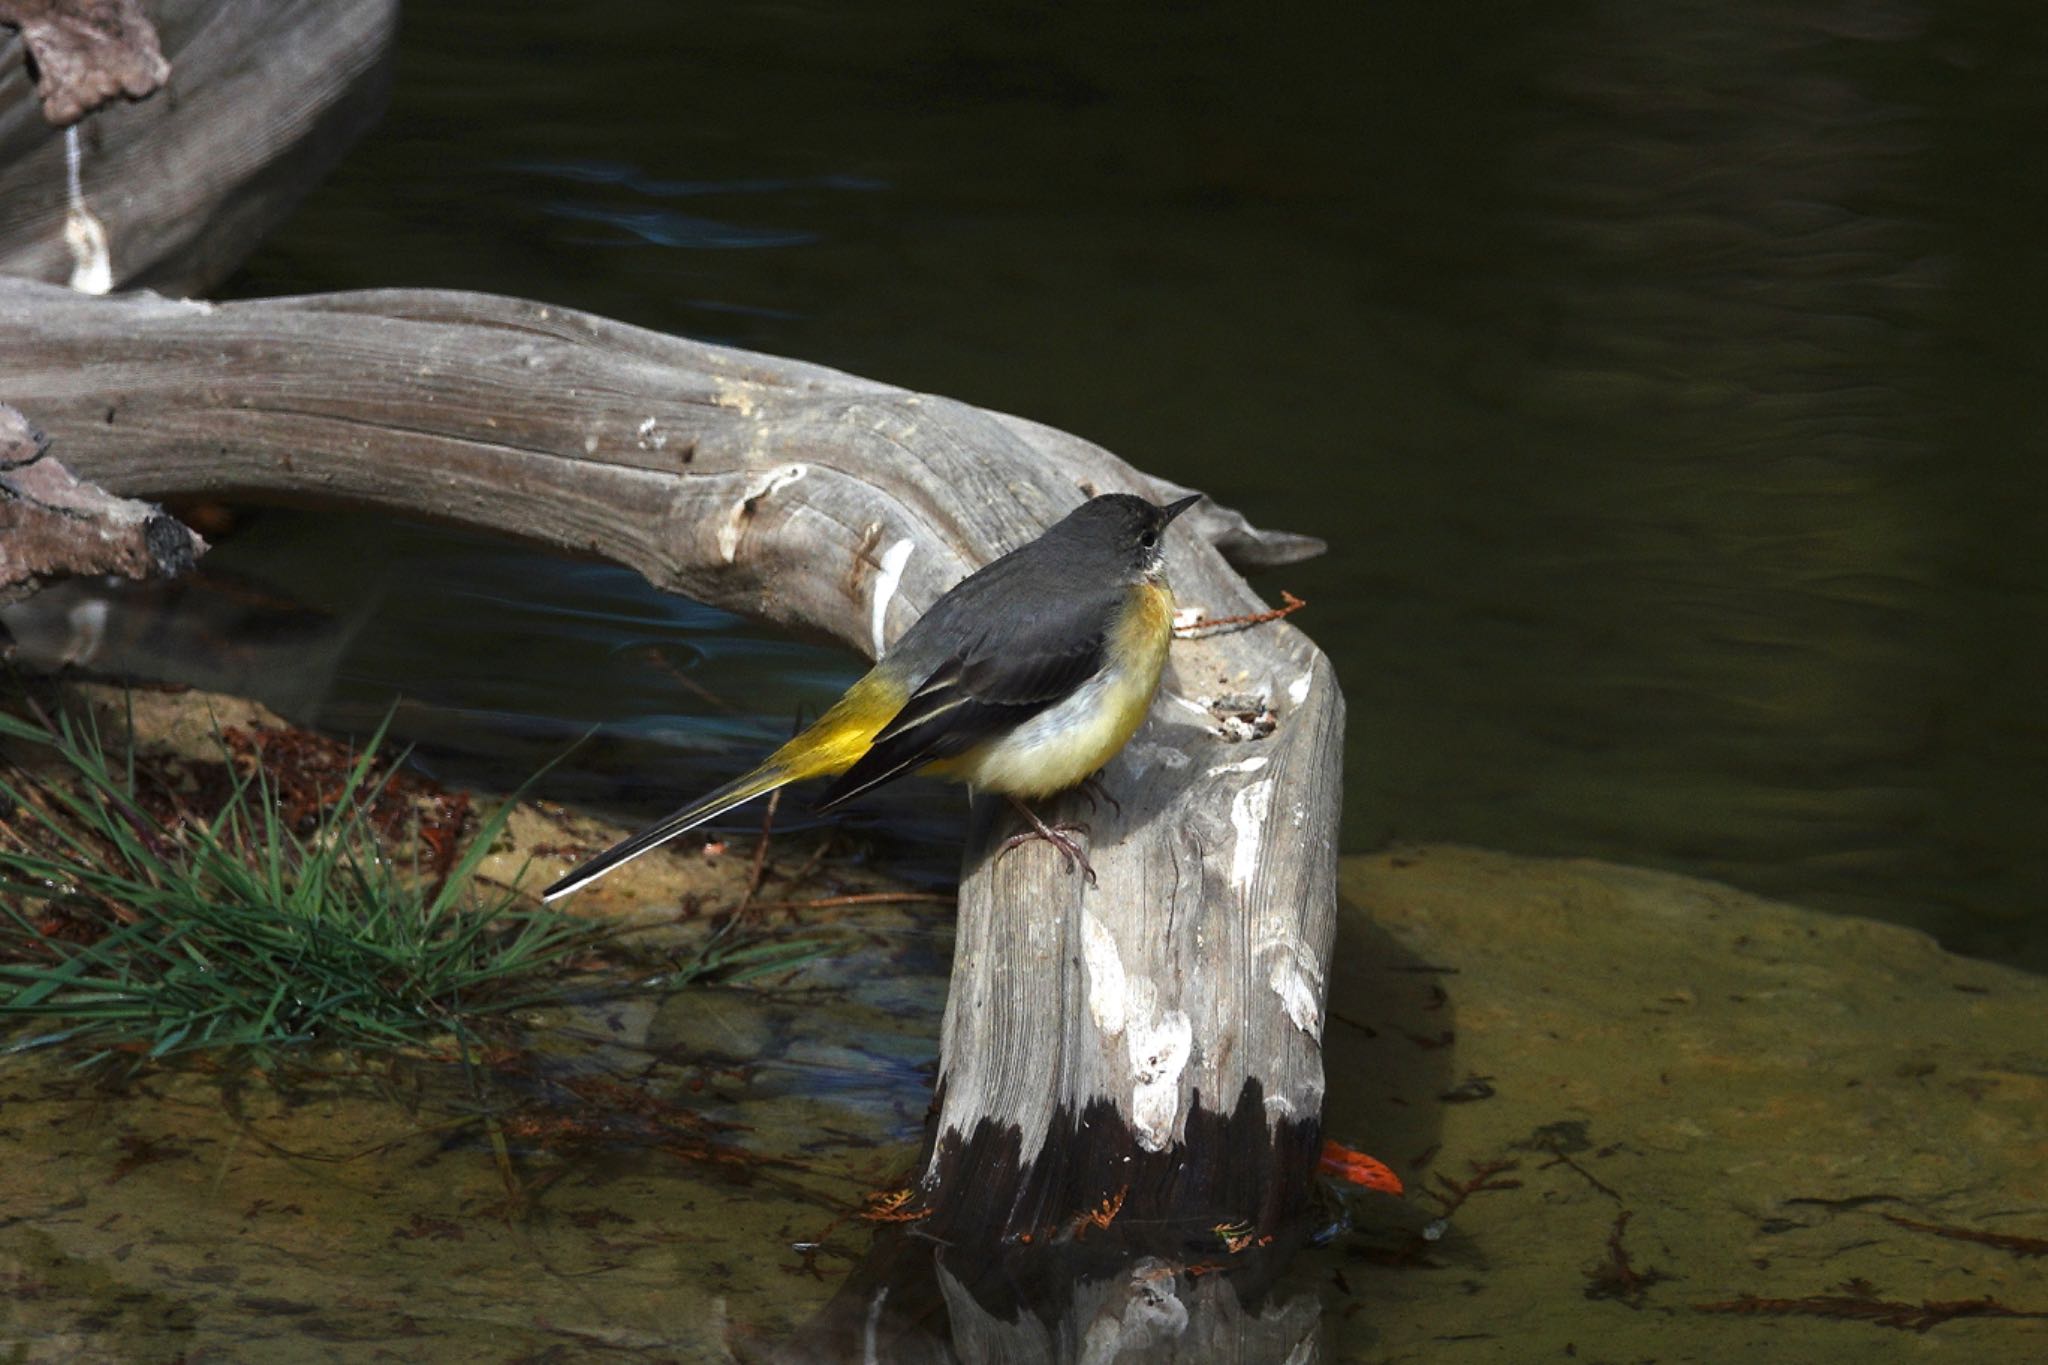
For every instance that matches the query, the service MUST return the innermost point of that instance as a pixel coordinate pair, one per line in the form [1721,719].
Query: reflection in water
[664,227]
[912,1301]
[210,629]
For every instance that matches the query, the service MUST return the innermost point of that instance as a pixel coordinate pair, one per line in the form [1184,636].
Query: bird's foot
[1092,787]
[1056,835]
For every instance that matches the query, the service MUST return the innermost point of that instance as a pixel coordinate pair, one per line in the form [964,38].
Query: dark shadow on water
[1390,1058]
[1389,1048]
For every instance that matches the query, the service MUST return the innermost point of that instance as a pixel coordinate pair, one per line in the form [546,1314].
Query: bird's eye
[1148,539]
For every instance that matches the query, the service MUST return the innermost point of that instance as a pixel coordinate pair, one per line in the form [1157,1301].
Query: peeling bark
[52,525]
[1154,1038]
[86,52]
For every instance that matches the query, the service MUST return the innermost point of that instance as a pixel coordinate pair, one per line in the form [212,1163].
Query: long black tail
[740,790]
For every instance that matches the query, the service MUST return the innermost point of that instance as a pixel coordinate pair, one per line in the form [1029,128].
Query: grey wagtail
[1024,678]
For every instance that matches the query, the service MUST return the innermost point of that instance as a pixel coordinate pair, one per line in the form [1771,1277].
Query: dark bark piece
[87,51]
[52,525]
[1176,1007]
[174,192]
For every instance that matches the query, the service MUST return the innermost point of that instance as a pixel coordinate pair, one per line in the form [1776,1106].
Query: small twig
[1451,1197]
[42,717]
[1903,1317]
[1456,1192]
[681,678]
[1617,1278]
[893,1206]
[1290,604]
[516,1197]
[1102,1215]
[862,898]
[817,856]
[1558,1157]
[760,866]
[2004,1241]
[816,903]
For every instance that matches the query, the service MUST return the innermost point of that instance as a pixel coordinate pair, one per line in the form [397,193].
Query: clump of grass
[130,932]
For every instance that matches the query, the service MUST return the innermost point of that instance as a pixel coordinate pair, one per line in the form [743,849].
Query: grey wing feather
[995,682]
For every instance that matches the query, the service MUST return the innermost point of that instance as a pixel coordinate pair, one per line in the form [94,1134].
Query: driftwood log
[173,192]
[1148,1046]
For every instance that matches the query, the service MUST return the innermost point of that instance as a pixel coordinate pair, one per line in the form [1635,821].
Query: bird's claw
[1056,835]
[1093,787]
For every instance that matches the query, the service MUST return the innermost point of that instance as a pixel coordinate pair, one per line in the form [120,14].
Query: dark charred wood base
[1235,1179]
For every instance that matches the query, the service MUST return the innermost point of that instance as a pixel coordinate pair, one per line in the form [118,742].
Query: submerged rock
[1681,1096]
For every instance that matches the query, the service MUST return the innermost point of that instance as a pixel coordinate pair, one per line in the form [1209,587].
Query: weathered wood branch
[173,192]
[54,526]
[1152,1042]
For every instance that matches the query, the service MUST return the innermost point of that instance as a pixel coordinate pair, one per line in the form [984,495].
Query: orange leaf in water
[1360,1169]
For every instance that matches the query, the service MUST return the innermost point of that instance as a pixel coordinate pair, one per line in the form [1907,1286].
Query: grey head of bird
[1117,534]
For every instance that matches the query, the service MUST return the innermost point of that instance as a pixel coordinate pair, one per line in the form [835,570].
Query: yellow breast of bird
[1067,741]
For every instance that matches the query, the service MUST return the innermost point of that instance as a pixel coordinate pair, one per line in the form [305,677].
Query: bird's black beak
[1174,509]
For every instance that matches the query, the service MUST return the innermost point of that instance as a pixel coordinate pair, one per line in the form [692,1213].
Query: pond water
[1668,389]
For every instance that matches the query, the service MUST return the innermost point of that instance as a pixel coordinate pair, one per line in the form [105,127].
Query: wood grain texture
[264,97]
[1190,978]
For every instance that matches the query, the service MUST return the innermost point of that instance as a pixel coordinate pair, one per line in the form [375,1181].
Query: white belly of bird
[1063,744]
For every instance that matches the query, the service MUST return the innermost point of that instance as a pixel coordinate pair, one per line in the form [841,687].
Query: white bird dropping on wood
[92,263]
[886,583]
